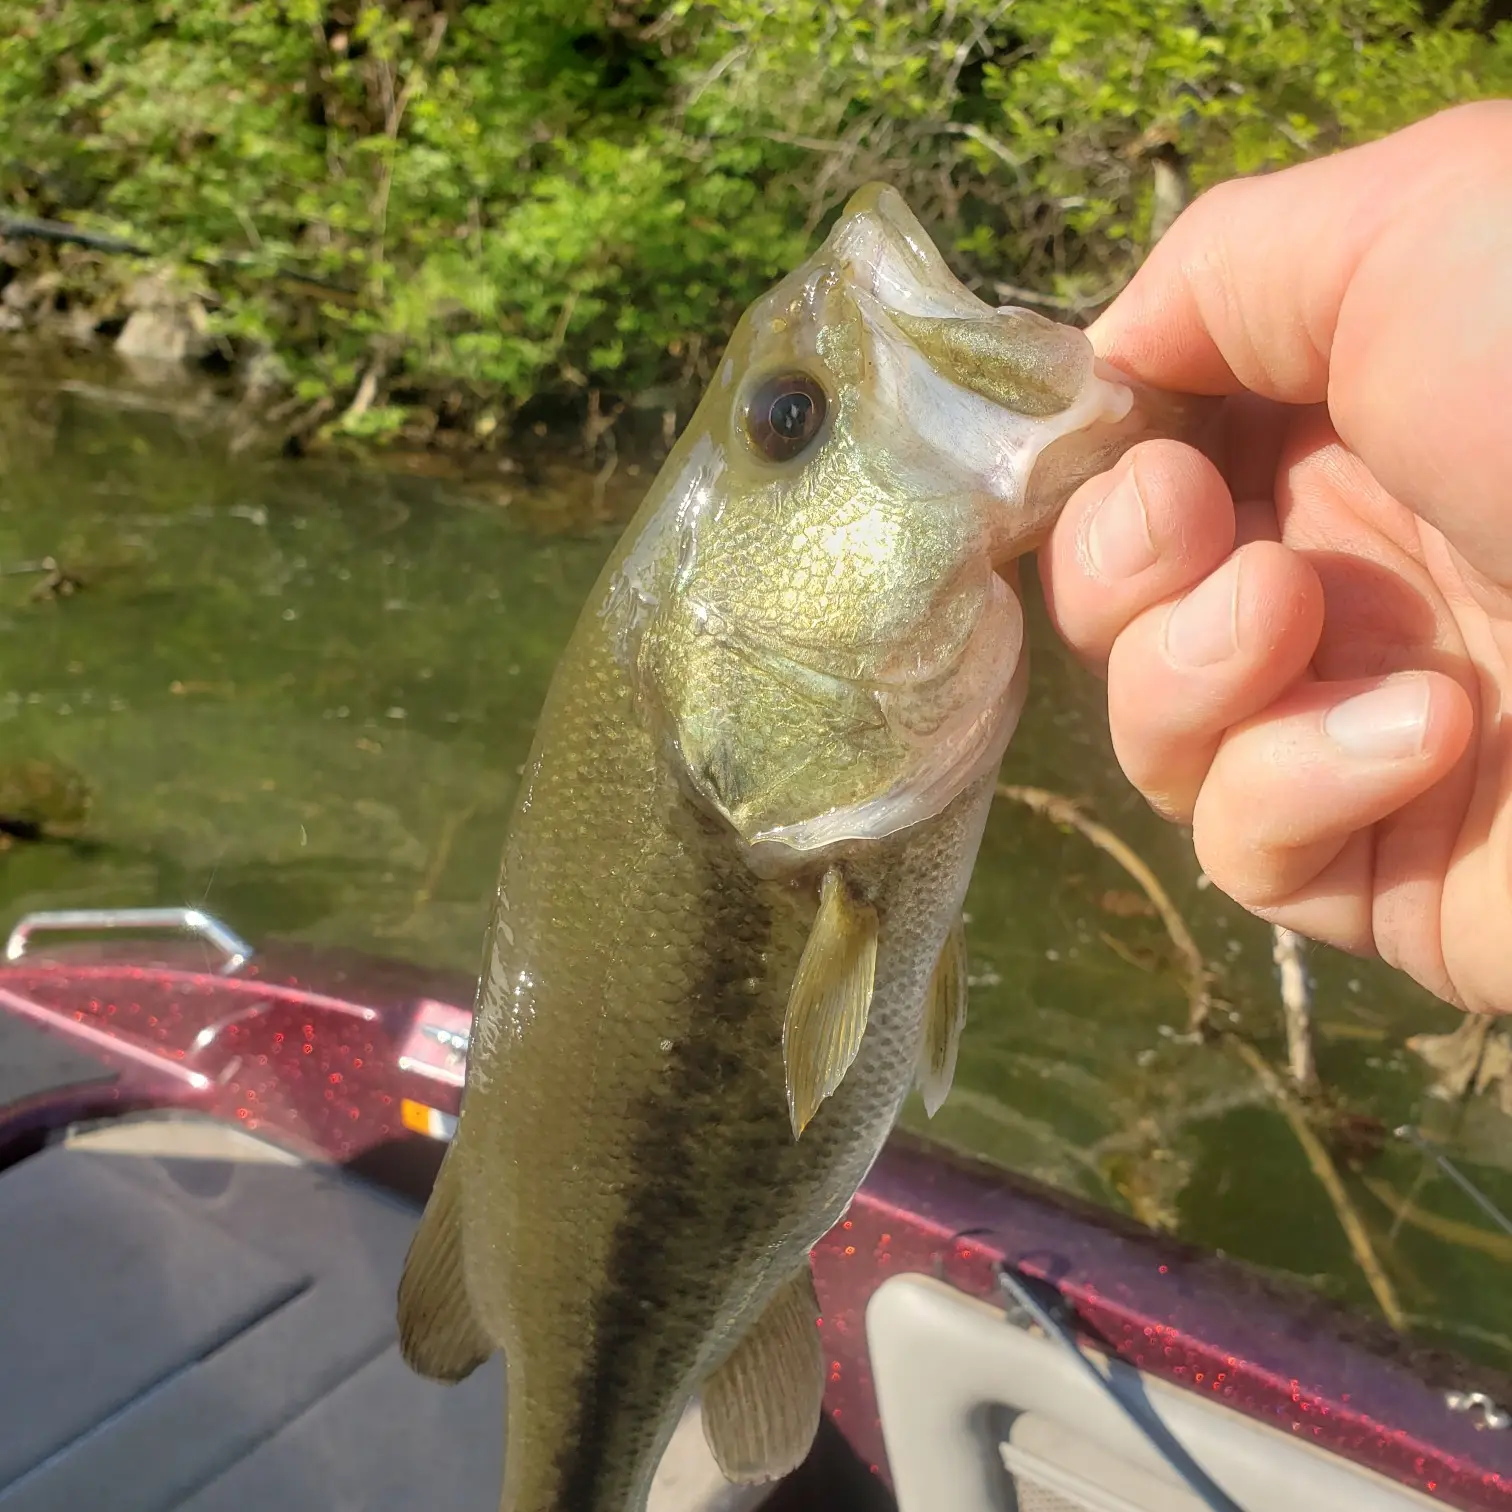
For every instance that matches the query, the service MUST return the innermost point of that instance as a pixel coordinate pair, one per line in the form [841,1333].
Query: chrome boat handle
[191,921]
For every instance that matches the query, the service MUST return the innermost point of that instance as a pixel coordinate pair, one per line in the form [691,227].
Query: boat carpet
[214,1334]
[34,1063]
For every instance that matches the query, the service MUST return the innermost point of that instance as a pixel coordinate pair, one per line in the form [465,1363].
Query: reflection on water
[301,693]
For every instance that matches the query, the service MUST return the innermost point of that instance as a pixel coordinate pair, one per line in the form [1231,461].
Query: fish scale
[720,955]
[693,1203]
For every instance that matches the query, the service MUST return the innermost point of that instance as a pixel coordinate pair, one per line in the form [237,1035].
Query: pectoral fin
[832,993]
[761,1407]
[944,1018]
[438,1335]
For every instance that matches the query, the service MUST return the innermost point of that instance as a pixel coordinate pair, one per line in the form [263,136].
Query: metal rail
[190,921]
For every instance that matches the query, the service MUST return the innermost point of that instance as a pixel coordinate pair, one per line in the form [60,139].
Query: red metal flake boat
[212,1158]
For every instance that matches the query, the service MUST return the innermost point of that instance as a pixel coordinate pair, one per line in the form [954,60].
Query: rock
[263,375]
[155,291]
[163,336]
[167,326]
[79,326]
[25,302]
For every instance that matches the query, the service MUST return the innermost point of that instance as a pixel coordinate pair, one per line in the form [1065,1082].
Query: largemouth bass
[727,936]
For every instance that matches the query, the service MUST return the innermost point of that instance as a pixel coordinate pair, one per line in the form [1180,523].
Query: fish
[727,942]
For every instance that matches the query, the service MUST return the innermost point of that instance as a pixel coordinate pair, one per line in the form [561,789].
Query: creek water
[300,693]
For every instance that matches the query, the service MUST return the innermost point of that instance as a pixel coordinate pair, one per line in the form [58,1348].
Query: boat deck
[194,1314]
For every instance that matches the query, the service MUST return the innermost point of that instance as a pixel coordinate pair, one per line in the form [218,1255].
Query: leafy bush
[468,204]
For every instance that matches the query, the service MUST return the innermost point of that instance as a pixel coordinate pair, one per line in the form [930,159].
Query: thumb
[1379,281]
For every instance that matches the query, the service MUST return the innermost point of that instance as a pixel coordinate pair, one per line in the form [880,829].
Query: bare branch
[982,138]
[1072,304]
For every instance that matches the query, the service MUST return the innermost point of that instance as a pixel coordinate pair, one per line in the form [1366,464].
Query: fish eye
[784,415]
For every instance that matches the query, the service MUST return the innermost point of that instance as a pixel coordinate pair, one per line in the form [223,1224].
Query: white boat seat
[980,1415]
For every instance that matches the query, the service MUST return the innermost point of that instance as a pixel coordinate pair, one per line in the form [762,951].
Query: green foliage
[472,203]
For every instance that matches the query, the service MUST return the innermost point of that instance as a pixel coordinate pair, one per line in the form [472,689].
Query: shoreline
[80,300]
[526,472]
[607,438]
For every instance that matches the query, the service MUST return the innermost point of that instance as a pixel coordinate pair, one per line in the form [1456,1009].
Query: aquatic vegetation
[41,798]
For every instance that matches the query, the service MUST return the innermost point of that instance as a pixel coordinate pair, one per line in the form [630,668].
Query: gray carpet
[33,1062]
[218,1335]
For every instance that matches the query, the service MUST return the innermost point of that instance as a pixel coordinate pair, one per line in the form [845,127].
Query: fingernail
[1385,724]
[1204,627]
[1118,538]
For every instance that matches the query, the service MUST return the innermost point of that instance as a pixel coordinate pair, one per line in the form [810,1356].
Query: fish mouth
[883,251]
[912,307]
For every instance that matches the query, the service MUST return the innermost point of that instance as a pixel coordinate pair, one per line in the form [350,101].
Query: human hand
[1308,640]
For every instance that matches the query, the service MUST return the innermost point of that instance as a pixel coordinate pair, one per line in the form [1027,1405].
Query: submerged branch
[1063,811]
[1450,1230]
[1328,1177]
[1296,1008]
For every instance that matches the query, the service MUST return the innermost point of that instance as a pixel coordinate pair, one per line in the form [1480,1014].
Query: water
[301,694]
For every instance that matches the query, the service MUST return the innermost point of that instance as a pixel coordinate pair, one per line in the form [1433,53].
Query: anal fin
[944,1018]
[761,1406]
[438,1335]
[830,1000]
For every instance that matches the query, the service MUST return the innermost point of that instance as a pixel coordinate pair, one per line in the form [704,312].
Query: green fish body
[726,942]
